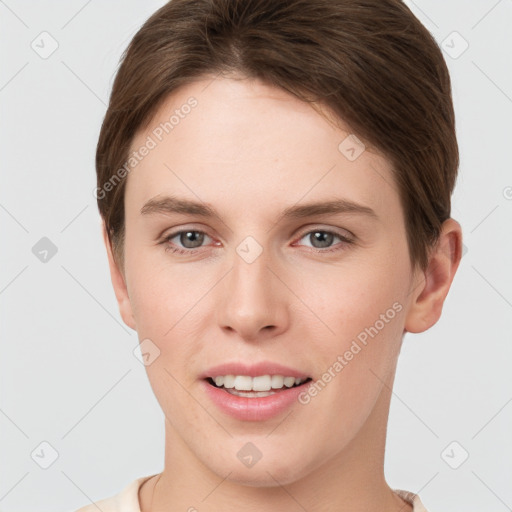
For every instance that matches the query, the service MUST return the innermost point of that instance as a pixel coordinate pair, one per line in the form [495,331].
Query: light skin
[251,151]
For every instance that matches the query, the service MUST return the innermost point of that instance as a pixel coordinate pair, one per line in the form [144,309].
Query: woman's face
[267,280]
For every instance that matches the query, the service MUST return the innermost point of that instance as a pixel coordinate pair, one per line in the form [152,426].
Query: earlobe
[430,293]
[118,283]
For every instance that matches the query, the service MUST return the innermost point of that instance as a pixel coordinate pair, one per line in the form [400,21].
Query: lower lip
[253,409]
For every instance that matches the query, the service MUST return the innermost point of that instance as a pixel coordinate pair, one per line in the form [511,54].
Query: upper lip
[253,370]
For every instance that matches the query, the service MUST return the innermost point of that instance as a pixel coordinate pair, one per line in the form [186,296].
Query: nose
[252,302]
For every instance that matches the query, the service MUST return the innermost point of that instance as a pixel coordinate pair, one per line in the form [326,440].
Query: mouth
[256,387]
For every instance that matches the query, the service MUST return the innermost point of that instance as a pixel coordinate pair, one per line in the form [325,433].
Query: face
[256,277]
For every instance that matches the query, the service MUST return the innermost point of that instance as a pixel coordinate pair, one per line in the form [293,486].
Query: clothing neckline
[130,496]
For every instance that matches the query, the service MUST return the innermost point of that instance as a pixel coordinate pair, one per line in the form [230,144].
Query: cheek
[161,293]
[357,342]
[364,310]
[166,303]
[349,299]
[171,306]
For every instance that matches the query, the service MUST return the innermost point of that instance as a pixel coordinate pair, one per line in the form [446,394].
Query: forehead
[229,140]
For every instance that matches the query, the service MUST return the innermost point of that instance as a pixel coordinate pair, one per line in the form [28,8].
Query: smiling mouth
[230,386]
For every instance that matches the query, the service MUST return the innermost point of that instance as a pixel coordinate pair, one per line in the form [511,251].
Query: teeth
[229,381]
[259,383]
[277,381]
[250,394]
[289,381]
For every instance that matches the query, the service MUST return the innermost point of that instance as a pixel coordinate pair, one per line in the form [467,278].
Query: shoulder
[127,500]
[413,499]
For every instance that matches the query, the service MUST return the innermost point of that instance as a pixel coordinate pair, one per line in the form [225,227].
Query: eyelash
[177,250]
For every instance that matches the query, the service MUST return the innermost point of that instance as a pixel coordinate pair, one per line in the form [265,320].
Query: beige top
[128,499]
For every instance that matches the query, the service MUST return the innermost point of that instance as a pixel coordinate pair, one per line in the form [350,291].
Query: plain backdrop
[73,394]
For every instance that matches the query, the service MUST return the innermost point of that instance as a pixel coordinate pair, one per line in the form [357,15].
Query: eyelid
[344,234]
[172,232]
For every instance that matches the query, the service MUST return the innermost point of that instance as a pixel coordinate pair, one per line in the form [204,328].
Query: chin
[261,478]
[279,469]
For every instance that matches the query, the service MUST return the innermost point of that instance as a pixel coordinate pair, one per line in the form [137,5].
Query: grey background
[68,373]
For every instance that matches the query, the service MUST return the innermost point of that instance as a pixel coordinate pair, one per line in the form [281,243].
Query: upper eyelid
[173,234]
[334,231]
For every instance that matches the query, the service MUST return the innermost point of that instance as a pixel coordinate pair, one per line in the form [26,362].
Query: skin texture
[250,151]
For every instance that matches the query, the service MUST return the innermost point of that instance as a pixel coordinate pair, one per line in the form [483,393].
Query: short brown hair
[371,62]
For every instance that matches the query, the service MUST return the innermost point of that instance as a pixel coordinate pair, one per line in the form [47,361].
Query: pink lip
[253,409]
[253,370]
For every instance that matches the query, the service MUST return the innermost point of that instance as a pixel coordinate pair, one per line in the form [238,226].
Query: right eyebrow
[169,204]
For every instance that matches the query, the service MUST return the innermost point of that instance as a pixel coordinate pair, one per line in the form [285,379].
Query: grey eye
[320,239]
[191,239]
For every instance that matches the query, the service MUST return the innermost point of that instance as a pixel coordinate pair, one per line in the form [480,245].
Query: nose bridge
[251,301]
[250,282]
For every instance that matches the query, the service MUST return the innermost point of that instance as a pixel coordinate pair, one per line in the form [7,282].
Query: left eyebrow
[328,207]
[169,205]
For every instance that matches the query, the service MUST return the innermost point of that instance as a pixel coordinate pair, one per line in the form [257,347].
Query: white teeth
[277,381]
[243,383]
[262,383]
[259,384]
[250,394]
[289,381]
[229,381]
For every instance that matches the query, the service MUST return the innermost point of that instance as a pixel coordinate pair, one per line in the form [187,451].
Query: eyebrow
[169,205]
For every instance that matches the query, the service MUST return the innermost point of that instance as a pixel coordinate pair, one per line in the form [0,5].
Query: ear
[432,285]
[119,283]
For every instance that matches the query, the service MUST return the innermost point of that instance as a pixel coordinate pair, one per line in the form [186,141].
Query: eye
[322,240]
[190,239]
